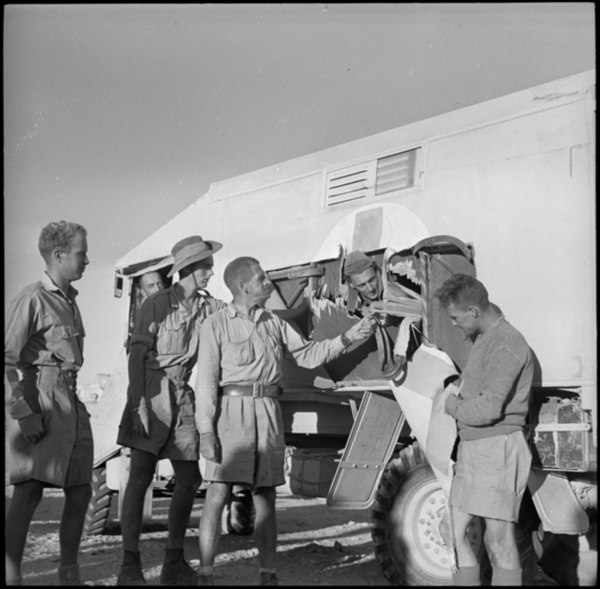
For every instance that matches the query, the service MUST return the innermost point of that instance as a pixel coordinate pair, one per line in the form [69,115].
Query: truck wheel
[238,515]
[410,524]
[96,518]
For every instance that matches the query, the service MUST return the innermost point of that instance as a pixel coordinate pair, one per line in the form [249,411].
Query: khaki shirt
[44,328]
[236,349]
[170,330]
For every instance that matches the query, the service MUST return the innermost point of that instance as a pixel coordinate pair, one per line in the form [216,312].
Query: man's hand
[32,427]
[141,418]
[363,329]
[210,448]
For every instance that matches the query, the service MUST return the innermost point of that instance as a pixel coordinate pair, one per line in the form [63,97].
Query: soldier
[238,414]
[363,276]
[158,419]
[49,433]
[490,407]
[150,283]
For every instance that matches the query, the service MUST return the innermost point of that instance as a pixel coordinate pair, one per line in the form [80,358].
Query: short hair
[238,269]
[58,235]
[462,290]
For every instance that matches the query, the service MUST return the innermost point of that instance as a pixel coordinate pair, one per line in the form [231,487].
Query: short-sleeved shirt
[237,349]
[170,331]
[44,335]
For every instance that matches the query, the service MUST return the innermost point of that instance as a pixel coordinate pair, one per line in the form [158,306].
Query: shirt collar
[200,299]
[232,311]
[51,286]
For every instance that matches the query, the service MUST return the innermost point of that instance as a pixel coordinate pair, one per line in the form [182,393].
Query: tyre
[238,515]
[411,525]
[561,558]
[97,516]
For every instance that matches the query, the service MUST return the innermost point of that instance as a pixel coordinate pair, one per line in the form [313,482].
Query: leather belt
[256,390]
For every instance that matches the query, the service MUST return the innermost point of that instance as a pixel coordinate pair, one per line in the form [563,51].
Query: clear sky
[120,116]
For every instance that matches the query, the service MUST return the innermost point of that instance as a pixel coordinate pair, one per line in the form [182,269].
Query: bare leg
[501,543]
[143,465]
[209,532]
[26,497]
[77,500]
[265,526]
[464,551]
[187,481]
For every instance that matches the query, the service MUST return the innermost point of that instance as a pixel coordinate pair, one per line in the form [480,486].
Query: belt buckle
[257,390]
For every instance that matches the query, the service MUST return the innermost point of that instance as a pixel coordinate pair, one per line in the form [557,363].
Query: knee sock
[466,576]
[506,577]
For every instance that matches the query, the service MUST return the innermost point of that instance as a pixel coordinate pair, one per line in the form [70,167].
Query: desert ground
[316,546]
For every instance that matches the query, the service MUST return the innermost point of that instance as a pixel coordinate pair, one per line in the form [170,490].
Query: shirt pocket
[172,338]
[239,353]
[62,341]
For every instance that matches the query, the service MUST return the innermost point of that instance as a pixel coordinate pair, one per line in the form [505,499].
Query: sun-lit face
[150,283]
[465,318]
[72,263]
[203,271]
[259,287]
[367,284]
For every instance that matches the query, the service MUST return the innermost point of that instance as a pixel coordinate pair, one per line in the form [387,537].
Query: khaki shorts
[173,432]
[490,476]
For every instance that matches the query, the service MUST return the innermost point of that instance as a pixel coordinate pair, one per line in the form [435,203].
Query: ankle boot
[175,569]
[69,575]
[131,570]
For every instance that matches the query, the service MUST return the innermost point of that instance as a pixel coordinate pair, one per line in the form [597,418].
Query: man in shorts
[158,420]
[49,437]
[238,414]
[490,405]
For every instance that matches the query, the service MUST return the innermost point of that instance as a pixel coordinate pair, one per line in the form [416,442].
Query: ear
[56,254]
[474,311]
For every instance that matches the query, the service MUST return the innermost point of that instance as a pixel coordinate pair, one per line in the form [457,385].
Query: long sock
[507,577]
[466,576]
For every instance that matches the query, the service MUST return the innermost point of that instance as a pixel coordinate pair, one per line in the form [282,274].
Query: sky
[118,117]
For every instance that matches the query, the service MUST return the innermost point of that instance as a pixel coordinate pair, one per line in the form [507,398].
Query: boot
[131,570]
[268,577]
[175,569]
[206,576]
[69,575]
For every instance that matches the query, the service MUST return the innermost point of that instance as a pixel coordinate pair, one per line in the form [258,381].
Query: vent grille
[378,177]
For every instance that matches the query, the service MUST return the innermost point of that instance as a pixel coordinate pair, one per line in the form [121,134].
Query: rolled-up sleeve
[307,353]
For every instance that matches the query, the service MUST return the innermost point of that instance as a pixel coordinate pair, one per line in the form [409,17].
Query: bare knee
[501,543]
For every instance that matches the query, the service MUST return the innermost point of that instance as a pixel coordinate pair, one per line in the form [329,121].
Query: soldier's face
[259,287]
[72,263]
[465,318]
[151,283]
[367,284]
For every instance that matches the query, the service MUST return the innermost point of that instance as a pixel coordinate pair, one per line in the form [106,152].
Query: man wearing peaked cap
[158,419]
[363,276]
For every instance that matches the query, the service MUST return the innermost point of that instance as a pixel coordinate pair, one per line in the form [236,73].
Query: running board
[370,446]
